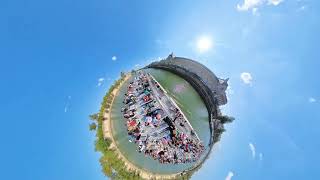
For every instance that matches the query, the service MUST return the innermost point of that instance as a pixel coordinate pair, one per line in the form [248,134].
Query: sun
[204,44]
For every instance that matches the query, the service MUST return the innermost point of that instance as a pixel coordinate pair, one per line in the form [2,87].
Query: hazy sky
[59,57]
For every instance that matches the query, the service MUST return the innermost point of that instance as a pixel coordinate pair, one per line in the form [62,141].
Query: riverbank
[106,125]
[107,133]
[119,159]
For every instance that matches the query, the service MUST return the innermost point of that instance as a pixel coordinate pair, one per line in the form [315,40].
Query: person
[167,149]
[181,124]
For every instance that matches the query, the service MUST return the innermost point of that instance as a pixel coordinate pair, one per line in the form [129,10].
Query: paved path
[167,102]
[107,132]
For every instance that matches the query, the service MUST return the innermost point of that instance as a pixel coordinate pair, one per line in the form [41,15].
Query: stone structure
[210,88]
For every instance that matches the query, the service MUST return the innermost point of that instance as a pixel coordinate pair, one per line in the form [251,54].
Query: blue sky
[53,54]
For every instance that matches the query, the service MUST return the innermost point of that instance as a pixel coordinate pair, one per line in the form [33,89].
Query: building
[199,76]
[211,89]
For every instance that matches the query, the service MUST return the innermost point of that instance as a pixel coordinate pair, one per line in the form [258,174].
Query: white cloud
[253,150]
[312,100]
[100,81]
[230,175]
[249,4]
[254,4]
[302,8]
[246,78]
[114,58]
[274,2]
[66,107]
[255,11]
[260,156]
[137,65]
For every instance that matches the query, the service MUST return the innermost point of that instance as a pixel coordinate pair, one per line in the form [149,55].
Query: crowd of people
[157,134]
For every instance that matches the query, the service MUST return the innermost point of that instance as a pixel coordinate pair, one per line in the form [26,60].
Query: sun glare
[204,44]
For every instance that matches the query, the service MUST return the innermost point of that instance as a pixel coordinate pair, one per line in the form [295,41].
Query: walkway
[107,132]
[168,103]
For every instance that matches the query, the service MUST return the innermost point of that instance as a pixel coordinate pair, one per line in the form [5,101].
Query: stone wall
[196,82]
[210,88]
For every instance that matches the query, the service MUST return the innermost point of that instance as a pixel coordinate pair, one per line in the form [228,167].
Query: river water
[189,102]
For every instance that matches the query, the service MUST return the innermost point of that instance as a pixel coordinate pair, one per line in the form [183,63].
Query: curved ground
[193,107]
[107,131]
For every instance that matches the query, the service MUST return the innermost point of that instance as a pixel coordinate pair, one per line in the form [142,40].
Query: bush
[109,161]
[92,126]
[225,119]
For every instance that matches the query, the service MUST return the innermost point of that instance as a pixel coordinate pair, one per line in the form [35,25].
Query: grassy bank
[112,165]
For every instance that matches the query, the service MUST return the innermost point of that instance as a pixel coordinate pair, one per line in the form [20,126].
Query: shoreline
[188,70]
[174,102]
[107,133]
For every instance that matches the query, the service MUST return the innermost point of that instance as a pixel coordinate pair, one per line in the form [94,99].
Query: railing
[205,92]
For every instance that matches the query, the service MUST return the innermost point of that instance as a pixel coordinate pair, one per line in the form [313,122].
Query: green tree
[107,170]
[109,100]
[122,75]
[225,119]
[94,117]
[92,126]
[112,165]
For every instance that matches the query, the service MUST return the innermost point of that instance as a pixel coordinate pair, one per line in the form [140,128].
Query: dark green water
[190,103]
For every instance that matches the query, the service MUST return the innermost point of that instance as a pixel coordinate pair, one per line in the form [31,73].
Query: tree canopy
[226,119]
[92,126]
